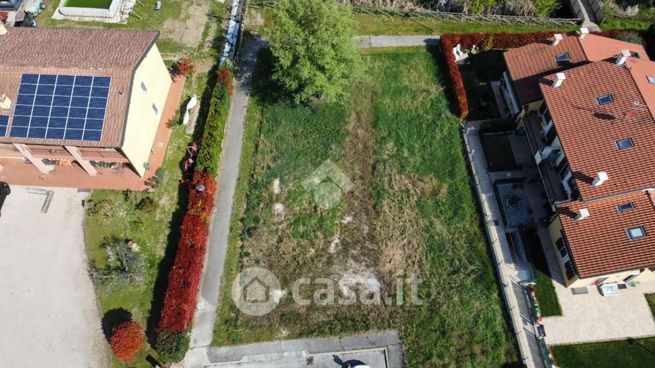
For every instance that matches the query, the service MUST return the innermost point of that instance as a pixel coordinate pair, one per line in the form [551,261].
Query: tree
[315,56]
[127,340]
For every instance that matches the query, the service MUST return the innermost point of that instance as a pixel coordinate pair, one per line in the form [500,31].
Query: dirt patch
[188,31]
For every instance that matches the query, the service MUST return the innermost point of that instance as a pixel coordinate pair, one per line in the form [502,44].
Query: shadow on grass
[113,318]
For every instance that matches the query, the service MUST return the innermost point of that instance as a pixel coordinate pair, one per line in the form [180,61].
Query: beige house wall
[142,119]
[554,231]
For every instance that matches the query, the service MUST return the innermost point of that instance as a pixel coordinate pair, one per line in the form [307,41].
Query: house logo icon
[256,291]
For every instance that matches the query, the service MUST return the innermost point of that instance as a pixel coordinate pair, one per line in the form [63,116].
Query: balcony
[548,170]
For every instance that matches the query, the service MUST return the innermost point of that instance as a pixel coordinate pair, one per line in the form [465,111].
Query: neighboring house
[80,103]
[587,106]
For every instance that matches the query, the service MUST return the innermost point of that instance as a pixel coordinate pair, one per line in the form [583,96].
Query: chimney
[600,178]
[560,79]
[556,40]
[584,31]
[583,213]
[621,59]
[5,102]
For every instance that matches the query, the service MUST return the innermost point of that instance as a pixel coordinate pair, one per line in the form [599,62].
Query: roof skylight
[605,99]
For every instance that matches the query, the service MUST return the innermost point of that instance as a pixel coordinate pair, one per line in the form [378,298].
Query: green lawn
[100,4]
[411,212]
[634,353]
[150,229]
[546,296]
[650,298]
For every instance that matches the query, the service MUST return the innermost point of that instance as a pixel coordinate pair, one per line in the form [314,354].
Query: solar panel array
[60,107]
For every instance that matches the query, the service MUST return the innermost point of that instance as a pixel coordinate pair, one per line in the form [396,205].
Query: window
[144,88]
[624,144]
[155,109]
[563,57]
[651,79]
[636,232]
[604,100]
[625,207]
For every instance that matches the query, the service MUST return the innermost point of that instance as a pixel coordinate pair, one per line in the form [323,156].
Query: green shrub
[172,345]
[124,264]
[146,204]
[213,131]
[546,7]
[631,37]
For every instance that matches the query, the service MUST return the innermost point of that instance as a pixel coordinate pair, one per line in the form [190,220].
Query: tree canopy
[315,56]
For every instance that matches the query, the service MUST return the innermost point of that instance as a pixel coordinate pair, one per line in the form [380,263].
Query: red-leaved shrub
[185,66]
[126,340]
[184,277]
[501,40]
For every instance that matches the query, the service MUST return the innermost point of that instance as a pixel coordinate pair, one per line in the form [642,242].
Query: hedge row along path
[205,316]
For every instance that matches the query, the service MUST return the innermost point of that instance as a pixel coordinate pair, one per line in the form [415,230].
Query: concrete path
[48,311]
[380,350]
[396,41]
[205,316]
[508,271]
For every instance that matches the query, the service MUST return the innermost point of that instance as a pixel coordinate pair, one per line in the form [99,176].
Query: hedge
[185,275]
[214,129]
[501,40]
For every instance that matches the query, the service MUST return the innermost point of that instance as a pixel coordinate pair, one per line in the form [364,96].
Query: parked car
[4,192]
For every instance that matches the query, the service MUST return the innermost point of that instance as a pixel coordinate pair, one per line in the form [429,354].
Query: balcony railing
[549,173]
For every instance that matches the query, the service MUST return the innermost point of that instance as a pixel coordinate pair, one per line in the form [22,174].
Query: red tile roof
[529,63]
[588,131]
[598,48]
[92,52]
[526,65]
[600,243]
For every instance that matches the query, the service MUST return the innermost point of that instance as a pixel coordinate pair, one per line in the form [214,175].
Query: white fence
[90,12]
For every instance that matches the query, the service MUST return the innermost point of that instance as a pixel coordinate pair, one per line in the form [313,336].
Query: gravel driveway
[48,309]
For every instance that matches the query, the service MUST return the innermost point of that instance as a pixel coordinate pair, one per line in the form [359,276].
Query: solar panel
[4,121]
[59,107]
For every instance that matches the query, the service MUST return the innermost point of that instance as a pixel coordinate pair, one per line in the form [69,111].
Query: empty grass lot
[410,211]
[632,353]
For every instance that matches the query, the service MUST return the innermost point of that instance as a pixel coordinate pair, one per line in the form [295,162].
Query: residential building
[81,107]
[586,104]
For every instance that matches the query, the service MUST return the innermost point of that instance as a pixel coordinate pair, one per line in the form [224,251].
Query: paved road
[203,327]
